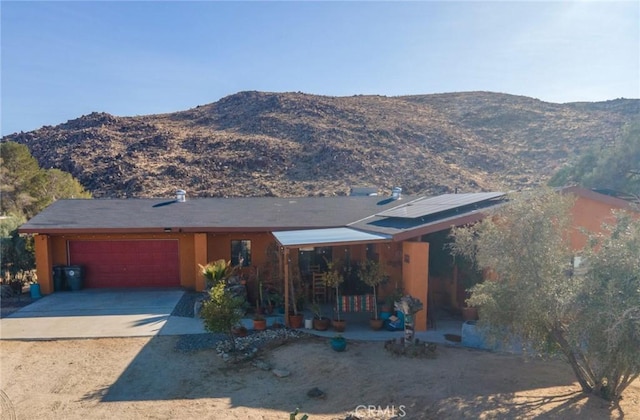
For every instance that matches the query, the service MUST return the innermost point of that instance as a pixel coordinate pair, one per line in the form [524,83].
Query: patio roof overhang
[327,237]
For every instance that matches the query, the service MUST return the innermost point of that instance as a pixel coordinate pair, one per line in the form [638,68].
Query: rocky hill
[295,144]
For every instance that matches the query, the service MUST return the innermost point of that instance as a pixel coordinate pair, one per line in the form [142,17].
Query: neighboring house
[593,209]
[161,243]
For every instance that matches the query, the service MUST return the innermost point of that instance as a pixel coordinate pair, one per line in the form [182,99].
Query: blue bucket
[35,291]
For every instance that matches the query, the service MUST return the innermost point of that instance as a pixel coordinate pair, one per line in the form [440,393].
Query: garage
[127,263]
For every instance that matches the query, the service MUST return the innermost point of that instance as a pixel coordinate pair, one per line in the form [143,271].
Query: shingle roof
[203,214]
[256,214]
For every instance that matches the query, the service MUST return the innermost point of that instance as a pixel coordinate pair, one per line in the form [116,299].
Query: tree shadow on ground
[426,388]
[570,405]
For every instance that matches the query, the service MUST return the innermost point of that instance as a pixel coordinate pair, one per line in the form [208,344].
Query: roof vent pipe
[396,193]
[181,196]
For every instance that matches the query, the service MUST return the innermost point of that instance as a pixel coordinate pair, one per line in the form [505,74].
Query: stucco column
[200,253]
[44,263]
[415,277]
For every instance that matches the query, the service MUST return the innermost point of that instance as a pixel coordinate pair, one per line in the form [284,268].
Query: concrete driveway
[99,313]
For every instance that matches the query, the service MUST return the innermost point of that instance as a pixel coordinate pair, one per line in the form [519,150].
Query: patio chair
[318,288]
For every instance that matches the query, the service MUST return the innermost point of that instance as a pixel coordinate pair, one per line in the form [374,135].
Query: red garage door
[139,263]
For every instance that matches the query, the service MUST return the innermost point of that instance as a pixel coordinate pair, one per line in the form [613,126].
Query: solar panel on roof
[441,203]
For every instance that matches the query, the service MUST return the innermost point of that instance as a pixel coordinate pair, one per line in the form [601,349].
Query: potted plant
[469,313]
[295,318]
[320,322]
[259,323]
[338,343]
[333,278]
[371,274]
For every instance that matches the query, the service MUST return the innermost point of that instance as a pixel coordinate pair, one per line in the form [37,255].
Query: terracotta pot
[339,326]
[239,331]
[470,314]
[376,324]
[295,321]
[321,324]
[259,324]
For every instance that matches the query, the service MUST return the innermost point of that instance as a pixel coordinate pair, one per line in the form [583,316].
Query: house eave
[157,229]
[439,226]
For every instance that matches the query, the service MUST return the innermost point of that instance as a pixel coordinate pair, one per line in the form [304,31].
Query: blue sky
[61,60]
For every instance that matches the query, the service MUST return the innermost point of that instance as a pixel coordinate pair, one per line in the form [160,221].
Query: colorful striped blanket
[358,303]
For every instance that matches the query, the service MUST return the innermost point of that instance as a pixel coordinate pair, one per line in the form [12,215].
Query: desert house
[128,243]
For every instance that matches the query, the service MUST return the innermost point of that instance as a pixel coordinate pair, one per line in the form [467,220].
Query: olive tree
[609,308]
[534,295]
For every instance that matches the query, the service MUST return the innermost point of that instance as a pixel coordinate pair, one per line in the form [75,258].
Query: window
[313,259]
[241,253]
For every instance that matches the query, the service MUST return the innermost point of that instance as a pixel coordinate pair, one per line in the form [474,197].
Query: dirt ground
[127,378]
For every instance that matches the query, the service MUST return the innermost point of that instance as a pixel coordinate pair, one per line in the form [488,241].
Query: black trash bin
[58,278]
[74,276]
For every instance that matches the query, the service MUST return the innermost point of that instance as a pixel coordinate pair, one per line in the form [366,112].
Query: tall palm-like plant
[216,271]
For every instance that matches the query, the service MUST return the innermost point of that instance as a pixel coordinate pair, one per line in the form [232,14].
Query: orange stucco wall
[219,246]
[201,258]
[355,253]
[195,249]
[415,277]
[52,250]
[589,214]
